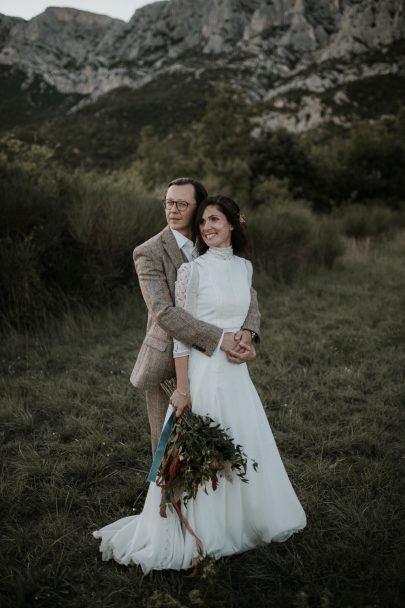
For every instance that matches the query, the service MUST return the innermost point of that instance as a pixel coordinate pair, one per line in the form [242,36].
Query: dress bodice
[215,288]
[223,295]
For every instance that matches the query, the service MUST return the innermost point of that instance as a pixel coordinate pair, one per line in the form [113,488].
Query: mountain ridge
[265,47]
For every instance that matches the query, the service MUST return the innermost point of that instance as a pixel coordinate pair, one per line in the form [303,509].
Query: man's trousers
[156,404]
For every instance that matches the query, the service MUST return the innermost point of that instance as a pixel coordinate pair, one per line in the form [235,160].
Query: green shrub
[25,299]
[159,159]
[33,194]
[367,165]
[288,238]
[66,237]
[114,213]
[110,217]
[328,244]
[361,221]
[281,238]
[270,191]
[282,155]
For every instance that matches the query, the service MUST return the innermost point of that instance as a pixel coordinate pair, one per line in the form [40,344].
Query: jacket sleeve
[176,321]
[252,320]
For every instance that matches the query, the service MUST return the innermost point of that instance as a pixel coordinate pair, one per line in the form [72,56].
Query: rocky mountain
[287,54]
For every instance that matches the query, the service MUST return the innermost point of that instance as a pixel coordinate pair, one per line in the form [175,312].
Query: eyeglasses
[180,205]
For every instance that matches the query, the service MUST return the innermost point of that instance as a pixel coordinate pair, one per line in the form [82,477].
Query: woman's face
[214,228]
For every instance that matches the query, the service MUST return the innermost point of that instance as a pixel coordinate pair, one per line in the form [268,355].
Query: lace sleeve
[186,288]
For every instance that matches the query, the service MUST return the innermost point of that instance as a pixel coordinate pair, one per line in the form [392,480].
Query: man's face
[181,220]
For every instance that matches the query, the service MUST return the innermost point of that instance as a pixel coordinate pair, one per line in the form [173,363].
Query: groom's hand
[242,356]
[243,351]
[238,346]
[244,340]
[228,342]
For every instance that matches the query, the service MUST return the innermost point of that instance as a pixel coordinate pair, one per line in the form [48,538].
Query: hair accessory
[242,218]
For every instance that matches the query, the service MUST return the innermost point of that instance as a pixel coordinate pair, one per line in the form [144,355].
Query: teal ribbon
[160,450]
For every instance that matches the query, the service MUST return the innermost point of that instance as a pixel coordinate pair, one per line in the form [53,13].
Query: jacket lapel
[171,248]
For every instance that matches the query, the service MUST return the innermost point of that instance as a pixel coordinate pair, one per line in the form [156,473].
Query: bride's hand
[181,402]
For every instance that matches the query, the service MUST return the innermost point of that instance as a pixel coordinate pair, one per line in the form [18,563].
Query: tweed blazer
[156,263]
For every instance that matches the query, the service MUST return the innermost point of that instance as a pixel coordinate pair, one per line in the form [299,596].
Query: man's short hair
[200,192]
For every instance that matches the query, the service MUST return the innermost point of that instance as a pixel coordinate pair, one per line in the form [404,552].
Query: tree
[221,141]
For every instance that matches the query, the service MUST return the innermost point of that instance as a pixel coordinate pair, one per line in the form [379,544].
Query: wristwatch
[254,335]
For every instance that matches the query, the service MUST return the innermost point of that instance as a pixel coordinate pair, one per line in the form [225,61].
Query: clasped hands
[238,346]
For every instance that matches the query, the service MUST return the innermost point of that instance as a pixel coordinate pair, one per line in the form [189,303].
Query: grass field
[330,370]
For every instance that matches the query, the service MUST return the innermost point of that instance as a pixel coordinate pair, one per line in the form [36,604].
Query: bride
[238,516]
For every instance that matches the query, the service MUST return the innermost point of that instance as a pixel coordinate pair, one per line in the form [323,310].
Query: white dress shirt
[185,244]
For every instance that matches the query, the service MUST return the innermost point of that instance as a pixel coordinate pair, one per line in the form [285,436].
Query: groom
[156,263]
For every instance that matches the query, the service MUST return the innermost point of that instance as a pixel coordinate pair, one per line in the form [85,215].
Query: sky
[123,9]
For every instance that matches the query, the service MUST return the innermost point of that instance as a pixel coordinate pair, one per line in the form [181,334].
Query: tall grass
[330,371]
[67,238]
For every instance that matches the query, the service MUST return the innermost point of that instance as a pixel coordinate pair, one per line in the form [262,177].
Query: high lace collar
[222,253]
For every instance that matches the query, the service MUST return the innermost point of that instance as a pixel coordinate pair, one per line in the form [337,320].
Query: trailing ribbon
[198,541]
[160,450]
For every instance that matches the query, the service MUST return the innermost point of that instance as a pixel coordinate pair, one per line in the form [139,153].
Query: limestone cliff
[268,47]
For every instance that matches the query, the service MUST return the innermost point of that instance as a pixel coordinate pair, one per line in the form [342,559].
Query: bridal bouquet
[198,452]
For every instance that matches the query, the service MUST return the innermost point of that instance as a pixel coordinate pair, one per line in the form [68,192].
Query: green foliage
[76,231]
[31,190]
[36,249]
[367,165]
[105,134]
[158,160]
[108,219]
[221,142]
[379,95]
[288,239]
[64,237]
[198,454]
[361,220]
[29,104]
[271,190]
[327,245]
[24,294]
[281,154]
[111,215]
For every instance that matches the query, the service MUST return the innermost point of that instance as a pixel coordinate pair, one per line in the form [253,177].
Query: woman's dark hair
[200,192]
[230,209]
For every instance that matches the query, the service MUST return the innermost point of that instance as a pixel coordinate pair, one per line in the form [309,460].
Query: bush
[159,159]
[110,217]
[270,191]
[282,237]
[367,165]
[288,238]
[25,299]
[66,238]
[32,193]
[282,155]
[361,221]
[328,244]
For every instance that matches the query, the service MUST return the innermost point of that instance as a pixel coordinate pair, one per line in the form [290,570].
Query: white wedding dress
[237,516]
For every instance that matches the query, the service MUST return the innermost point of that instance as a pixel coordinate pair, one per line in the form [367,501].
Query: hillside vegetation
[67,236]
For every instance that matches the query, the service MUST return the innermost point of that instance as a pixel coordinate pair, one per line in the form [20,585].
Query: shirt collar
[181,240]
